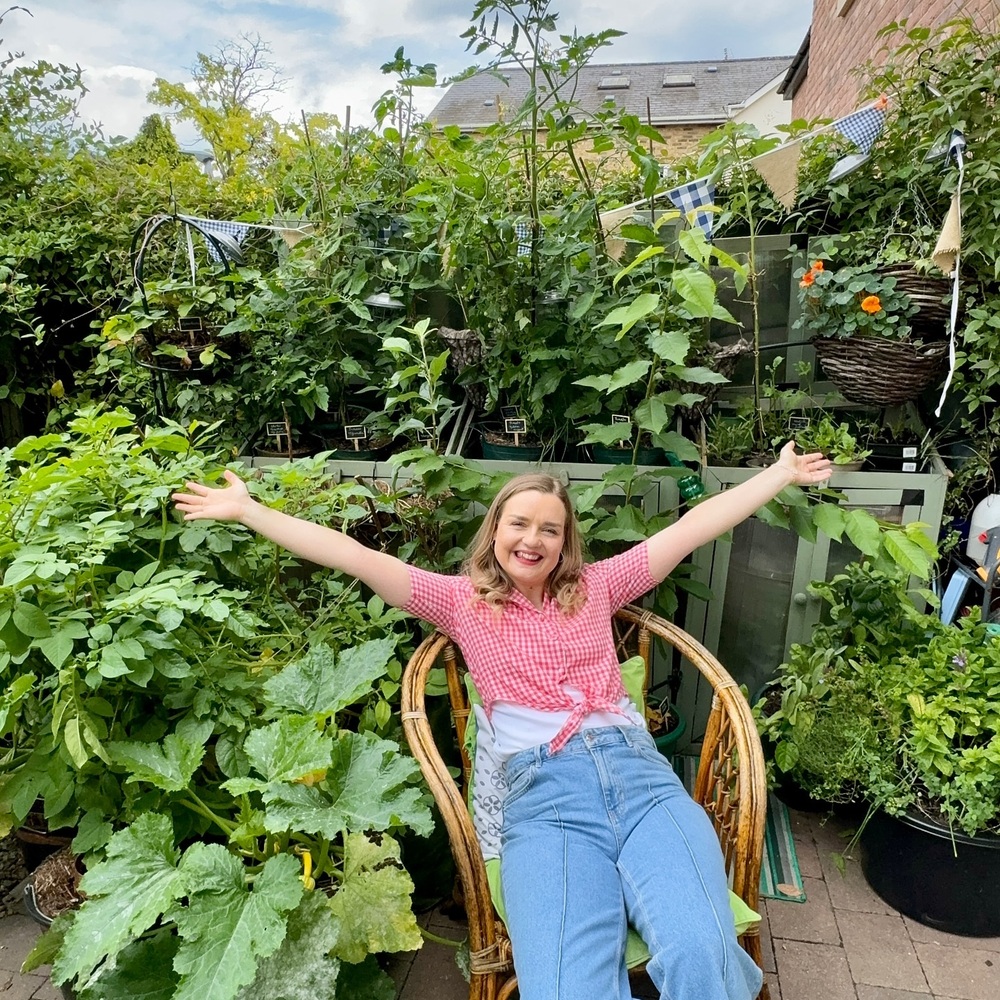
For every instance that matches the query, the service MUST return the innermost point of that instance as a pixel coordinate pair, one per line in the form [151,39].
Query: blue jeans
[600,835]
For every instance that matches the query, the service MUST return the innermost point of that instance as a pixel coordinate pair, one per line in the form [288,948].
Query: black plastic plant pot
[944,880]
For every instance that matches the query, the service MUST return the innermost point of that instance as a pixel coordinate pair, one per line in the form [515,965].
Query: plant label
[798,423]
[515,426]
[424,436]
[276,428]
[510,412]
[909,452]
[624,419]
[189,324]
[356,433]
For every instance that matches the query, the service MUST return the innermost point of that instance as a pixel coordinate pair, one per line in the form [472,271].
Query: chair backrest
[731,782]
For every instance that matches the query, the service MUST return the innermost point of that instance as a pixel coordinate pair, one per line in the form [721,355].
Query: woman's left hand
[806,470]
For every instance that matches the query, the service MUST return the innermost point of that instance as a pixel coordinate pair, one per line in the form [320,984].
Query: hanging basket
[466,349]
[877,371]
[720,359]
[929,293]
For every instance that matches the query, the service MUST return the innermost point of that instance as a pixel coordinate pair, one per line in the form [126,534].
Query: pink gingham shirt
[528,656]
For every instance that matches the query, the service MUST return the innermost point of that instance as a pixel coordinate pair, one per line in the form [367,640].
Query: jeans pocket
[518,783]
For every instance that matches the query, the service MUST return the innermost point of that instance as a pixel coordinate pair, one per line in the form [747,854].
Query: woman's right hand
[228,503]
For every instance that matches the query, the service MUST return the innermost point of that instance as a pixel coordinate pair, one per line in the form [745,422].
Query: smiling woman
[533,623]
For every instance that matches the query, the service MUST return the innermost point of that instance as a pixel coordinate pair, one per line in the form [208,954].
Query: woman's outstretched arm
[385,574]
[720,513]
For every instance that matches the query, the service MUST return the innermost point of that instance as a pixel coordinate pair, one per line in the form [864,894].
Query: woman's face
[529,539]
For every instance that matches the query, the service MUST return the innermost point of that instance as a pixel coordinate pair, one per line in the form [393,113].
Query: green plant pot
[667,742]
[361,455]
[623,456]
[510,452]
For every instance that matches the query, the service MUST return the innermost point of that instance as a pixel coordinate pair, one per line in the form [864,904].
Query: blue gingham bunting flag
[237,230]
[522,230]
[693,196]
[862,127]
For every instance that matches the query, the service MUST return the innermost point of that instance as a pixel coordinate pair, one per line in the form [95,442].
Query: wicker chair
[730,784]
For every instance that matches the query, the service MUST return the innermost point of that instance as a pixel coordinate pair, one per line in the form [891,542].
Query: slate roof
[718,84]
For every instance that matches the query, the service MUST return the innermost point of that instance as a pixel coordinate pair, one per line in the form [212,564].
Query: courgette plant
[211,719]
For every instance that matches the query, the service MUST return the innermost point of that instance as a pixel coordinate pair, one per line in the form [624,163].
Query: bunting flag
[293,236]
[863,127]
[691,198]
[948,254]
[522,231]
[779,167]
[292,231]
[235,230]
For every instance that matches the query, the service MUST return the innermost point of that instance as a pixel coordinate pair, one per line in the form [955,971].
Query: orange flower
[817,265]
[871,304]
[807,279]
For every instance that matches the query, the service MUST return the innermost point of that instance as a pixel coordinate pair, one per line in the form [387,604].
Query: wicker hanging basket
[929,293]
[466,349]
[720,359]
[877,371]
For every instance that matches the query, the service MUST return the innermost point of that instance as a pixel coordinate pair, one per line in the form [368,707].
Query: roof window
[678,80]
[615,82]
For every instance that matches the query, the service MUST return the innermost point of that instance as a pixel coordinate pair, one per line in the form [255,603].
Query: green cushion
[636,952]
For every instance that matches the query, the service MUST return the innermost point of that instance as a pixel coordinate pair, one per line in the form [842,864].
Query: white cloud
[331,51]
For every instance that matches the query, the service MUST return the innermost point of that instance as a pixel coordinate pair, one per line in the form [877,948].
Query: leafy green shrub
[211,718]
[888,705]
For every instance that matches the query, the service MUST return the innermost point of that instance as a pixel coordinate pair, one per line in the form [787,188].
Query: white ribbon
[956,149]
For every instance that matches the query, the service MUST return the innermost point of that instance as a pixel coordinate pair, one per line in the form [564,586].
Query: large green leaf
[628,315]
[829,518]
[677,444]
[365,789]
[628,375]
[862,529]
[672,346]
[321,682]
[373,903]
[286,750]
[10,701]
[226,929]
[651,415]
[30,620]
[302,968]
[143,971]
[126,894]
[169,766]
[697,289]
[907,554]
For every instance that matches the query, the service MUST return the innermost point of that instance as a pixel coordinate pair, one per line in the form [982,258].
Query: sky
[330,51]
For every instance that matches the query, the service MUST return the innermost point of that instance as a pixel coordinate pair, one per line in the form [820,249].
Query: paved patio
[843,944]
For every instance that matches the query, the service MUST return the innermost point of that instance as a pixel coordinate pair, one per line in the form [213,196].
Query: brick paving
[844,943]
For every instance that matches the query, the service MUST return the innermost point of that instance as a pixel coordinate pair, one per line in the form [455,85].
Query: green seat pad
[636,952]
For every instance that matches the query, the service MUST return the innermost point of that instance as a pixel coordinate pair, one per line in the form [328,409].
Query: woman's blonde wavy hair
[492,585]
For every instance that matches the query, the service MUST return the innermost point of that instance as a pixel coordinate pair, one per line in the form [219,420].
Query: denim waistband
[582,742]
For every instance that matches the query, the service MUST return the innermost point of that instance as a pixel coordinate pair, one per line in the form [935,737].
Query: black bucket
[941,879]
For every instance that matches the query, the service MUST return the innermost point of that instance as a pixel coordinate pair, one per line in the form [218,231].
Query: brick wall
[843,37]
[679,141]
